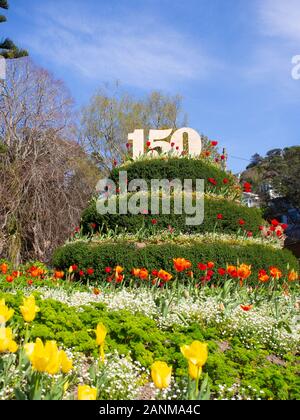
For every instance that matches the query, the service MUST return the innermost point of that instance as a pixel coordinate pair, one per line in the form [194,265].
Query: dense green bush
[140,336]
[157,256]
[232,213]
[174,168]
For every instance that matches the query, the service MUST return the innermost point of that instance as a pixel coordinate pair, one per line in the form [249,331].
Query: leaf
[20,395]
[204,394]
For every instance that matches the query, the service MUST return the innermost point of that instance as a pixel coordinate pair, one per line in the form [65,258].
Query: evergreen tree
[7,48]
[256,159]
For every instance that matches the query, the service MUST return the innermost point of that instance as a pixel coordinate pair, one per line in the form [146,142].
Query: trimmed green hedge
[231,211]
[157,256]
[174,168]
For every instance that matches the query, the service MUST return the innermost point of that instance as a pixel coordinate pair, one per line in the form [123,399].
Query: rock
[140,245]
[223,346]
[276,360]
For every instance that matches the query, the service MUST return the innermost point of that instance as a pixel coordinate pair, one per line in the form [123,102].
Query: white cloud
[281,18]
[142,54]
[277,40]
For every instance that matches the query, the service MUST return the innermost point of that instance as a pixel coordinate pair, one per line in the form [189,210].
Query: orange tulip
[275,273]
[181,264]
[264,278]
[293,275]
[4,268]
[164,275]
[142,273]
[244,271]
[119,269]
[135,272]
[59,275]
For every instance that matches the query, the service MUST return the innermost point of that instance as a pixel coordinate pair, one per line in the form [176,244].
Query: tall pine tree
[7,48]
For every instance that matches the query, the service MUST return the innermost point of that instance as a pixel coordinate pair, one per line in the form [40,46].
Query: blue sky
[229,59]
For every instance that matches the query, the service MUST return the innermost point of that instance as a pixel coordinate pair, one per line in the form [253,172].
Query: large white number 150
[156,137]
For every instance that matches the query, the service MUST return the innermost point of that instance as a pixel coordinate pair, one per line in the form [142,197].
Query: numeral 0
[156,138]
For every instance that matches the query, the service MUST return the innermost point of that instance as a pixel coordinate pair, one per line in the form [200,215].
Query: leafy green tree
[7,48]
[280,169]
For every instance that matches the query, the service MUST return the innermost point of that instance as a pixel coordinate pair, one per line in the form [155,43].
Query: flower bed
[135,330]
[101,256]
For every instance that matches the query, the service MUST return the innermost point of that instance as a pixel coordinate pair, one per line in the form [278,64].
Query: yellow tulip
[5,312]
[13,346]
[29,309]
[194,371]
[52,354]
[37,355]
[86,393]
[65,362]
[196,353]
[161,374]
[47,358]
[29,349]
[7,344]
[101,332]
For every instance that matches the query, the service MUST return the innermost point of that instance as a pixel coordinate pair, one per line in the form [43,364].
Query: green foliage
[280,168]
[7,48]
[3,4]
[157,256]
[175,168]
[232,212]
[140,336]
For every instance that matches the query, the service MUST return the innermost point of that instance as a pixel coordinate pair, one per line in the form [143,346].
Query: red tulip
[212,181]
[246,308]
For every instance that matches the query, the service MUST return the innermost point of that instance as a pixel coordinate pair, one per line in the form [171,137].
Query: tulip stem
[197,386]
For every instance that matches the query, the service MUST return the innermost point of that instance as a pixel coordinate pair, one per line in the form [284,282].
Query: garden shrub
[156,256]
[174,168]
[232,213]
